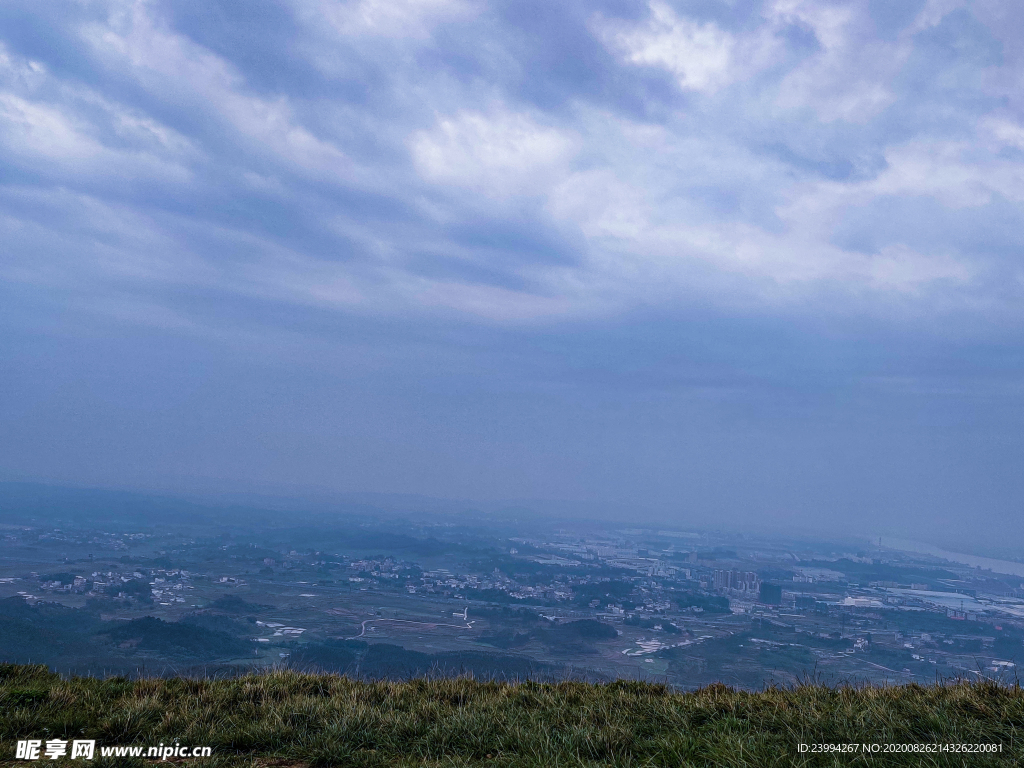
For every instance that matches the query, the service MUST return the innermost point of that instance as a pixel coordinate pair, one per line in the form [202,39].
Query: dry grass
[285,719]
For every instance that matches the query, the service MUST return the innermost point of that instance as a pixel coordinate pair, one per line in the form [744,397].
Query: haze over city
[734,265]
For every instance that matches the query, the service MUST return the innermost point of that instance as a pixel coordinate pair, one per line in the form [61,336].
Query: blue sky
[726,261]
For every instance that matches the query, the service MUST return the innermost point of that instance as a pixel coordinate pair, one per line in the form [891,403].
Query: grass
[285,718]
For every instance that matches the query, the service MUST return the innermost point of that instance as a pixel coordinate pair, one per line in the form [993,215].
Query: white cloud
[487,301]
[703,199]
[699,55]
[651,234]
[41,130]
[19,73]
[955,173]
[70,144]
[849,78]
[497,154]
[897,267]
[71,132]
[384,18]
[162,61]
[933,12]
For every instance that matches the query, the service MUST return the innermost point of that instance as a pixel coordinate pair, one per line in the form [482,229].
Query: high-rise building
[770,594]
[737,581]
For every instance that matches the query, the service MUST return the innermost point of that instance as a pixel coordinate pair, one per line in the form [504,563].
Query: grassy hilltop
[291,719]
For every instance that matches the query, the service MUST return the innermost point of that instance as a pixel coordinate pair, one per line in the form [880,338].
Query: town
[395,597]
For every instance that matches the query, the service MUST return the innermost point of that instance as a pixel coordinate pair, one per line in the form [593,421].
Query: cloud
[499,155]
[698,54]
[415,158]
[399,18]
[849,78]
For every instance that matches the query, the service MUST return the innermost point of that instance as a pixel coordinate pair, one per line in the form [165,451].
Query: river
[997,566]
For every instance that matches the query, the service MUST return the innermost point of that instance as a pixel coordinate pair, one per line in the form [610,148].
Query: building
[961,615]
[770,594]
[735,581]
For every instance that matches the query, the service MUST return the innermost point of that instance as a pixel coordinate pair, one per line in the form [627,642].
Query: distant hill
[286,718]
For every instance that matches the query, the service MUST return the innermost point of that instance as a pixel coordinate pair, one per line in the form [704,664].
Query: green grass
[289,719]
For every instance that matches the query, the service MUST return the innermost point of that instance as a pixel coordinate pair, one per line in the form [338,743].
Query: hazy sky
[726,260]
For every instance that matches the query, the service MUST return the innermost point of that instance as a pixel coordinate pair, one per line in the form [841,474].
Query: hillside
[292,719]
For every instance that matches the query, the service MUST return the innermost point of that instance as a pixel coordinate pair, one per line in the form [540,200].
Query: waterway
[986,563]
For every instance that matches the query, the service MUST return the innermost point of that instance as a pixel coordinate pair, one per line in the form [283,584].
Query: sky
[736,263]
